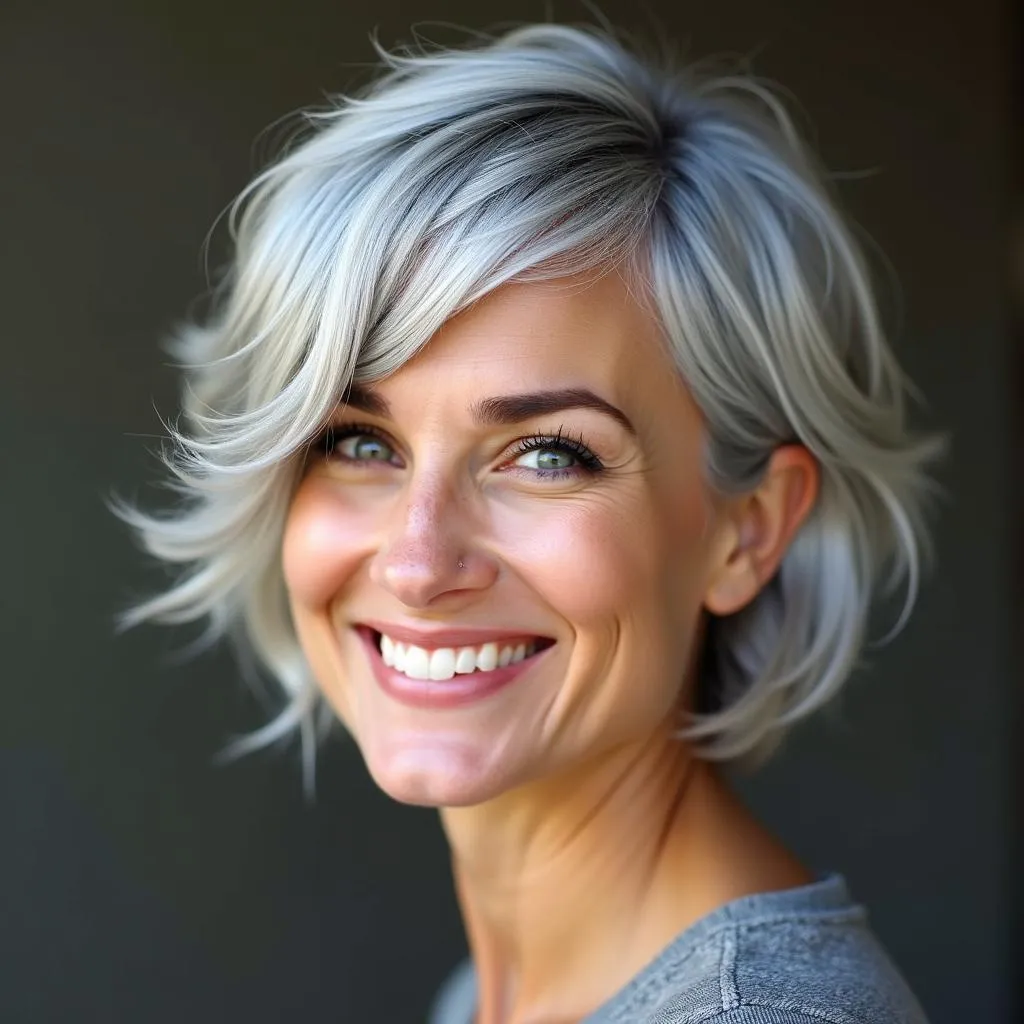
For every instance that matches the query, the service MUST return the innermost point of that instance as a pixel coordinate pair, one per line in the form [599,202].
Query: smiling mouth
[438,664]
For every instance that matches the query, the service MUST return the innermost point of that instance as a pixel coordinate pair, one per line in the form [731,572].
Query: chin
[432,778]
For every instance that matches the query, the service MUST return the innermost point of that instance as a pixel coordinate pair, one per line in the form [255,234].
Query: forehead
[574,330]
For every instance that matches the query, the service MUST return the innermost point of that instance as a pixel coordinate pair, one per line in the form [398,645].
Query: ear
[759,527]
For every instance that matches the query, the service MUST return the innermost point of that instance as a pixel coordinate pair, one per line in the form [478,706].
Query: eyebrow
[506,409]
[515,408]
[365,400]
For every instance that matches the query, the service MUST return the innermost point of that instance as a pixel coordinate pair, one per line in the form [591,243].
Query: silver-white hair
[544,152]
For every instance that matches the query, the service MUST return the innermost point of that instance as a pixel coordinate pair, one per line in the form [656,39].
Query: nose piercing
[461,566]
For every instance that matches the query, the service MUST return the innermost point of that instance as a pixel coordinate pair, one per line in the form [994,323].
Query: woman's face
[527,490]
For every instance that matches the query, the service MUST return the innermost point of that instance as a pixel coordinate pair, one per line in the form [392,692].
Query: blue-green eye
[359,444]
[555,457]
[365,448]
[547,459]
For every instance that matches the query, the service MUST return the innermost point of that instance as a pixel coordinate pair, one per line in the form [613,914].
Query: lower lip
[456,692]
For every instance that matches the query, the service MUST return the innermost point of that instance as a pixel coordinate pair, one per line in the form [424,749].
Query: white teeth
[417,663]
[465,660]
[487,659]
[442,663]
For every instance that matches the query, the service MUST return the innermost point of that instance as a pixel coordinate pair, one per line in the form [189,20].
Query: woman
[545,433]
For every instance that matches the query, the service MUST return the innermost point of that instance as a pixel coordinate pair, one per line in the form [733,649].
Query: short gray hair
[544,152]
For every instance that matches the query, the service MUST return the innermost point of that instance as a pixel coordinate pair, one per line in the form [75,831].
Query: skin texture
[584,835]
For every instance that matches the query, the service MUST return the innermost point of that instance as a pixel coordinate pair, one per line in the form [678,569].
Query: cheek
[683,522]
[575,556]
[627,575]
[616,558]
[322,545]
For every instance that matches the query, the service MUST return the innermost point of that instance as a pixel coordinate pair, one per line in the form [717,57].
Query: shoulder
[805,956]
[819,967]
[455,1002]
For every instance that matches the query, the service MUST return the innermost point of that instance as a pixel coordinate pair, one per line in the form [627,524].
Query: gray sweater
[799,956]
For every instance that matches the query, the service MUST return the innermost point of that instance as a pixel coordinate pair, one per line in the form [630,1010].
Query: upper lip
[465,636]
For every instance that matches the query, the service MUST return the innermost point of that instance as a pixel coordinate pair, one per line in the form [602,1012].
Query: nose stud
[461,566]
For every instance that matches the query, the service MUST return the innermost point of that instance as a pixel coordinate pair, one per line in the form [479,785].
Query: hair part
[550,151]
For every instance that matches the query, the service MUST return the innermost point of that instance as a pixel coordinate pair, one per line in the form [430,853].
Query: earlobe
[764,524]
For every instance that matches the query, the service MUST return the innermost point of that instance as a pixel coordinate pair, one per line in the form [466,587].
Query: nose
[428,551]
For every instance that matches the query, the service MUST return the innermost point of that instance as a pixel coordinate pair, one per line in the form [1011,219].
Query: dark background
[139,882]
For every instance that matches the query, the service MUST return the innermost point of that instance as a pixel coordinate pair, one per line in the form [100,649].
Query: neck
[571,885]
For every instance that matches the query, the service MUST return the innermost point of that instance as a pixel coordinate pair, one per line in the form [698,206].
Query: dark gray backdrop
[138,882]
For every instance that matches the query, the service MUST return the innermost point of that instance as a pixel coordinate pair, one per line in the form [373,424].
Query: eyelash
[573,445]
[587,463]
